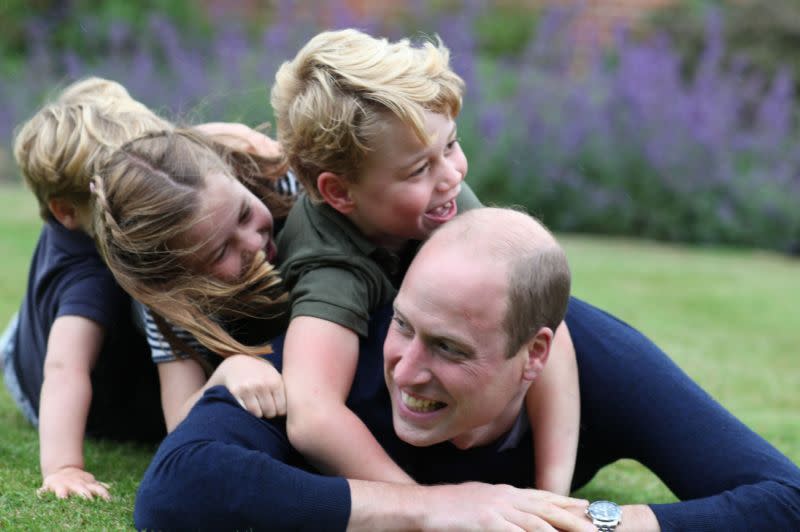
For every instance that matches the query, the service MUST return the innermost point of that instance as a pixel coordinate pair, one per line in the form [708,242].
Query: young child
[369,129]
[75,362]
[186,227]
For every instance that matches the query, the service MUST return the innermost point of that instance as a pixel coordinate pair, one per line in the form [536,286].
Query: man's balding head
[516,246]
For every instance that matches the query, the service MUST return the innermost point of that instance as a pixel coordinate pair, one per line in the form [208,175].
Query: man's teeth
[420,405]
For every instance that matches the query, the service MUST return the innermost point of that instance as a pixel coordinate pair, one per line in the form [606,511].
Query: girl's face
[232,225]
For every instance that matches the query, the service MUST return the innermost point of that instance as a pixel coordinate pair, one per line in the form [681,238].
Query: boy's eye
[419,170]
[452,143]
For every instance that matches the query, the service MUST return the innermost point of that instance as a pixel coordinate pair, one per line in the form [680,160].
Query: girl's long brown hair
[146,195]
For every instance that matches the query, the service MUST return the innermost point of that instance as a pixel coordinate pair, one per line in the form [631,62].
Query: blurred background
[673,120]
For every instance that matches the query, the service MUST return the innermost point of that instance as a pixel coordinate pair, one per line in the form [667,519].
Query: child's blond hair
[331,100]
[59,149]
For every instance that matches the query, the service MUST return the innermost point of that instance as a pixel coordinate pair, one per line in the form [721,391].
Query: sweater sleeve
[636,403]
[224,469]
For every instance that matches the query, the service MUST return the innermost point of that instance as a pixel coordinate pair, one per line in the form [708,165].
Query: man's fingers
[561,500]
[555,516]
[530,523]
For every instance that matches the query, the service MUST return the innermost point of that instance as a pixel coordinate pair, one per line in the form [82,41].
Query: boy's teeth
[420,405]
[442,210]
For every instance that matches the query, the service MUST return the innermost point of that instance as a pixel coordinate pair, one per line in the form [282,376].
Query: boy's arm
[319,363]
[72,349]
[553,404]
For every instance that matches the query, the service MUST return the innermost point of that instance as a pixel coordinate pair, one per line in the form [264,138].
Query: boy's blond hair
[147,195]
[60,148]
[331,100]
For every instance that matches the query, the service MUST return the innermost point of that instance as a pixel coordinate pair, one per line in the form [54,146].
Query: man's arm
[252,460]
[319,363]
[636,403]
[72,349]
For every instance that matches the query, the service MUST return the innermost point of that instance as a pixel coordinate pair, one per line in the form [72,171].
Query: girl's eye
[245,214]
[220,254]
[452,143]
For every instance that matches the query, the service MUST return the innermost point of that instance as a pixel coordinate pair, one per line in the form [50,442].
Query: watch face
[604,511]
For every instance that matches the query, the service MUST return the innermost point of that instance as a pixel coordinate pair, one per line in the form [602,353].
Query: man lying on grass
[463,342]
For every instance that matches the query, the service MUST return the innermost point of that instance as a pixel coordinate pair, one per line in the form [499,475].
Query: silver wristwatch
[605,515]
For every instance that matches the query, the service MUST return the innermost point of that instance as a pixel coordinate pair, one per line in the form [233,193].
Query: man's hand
[470,506]
[255,383]
[72,480]
[476,506]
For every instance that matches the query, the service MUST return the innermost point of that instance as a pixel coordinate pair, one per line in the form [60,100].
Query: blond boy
[369,128]
[75,362]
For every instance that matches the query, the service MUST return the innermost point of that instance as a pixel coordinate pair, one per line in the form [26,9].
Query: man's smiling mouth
[417,404]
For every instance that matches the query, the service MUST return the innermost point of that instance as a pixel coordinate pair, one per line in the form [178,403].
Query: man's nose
[412,365]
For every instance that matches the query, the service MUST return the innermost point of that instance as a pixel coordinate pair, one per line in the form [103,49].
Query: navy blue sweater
[224,469]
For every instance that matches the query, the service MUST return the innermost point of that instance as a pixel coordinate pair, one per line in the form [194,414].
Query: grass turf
[725,316]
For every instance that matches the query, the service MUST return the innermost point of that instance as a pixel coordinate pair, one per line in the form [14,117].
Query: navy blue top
[67,277]
[223,468]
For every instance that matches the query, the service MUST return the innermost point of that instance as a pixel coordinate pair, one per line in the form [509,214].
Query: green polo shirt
[333,272]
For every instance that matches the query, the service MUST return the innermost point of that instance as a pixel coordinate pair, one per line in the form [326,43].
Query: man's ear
[65,212]
[335,190]
[537,350]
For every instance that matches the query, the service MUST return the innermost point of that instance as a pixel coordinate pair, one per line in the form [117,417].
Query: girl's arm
[319,363]
[553,404]
[254,382]
[181,384]
[72,350]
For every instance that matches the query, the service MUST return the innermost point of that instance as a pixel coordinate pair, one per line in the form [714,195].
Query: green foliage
[506,30]
[71,24]
[766,33]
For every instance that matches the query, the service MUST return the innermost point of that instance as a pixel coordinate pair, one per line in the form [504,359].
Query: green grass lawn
[723,315]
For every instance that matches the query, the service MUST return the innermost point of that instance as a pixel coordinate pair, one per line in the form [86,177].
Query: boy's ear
[335,190]
[65,212]
[537,350]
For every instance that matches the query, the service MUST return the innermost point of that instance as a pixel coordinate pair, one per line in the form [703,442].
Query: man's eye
[400,323]
[449,349]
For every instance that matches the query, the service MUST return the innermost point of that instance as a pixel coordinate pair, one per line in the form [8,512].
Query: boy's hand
[255,383]
[72,480]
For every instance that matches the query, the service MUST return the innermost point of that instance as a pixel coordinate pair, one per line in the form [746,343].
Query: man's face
[445,358]
[406,188]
